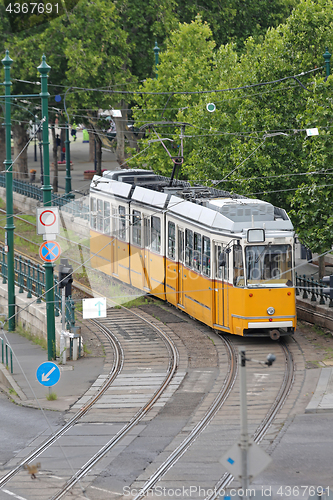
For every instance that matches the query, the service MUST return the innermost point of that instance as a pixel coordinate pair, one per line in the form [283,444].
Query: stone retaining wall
[30,315]
[314,313]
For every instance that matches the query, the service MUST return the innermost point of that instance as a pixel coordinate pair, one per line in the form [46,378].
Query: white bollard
[62,348]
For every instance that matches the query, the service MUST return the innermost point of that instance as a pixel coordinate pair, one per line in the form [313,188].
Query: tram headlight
[270,311]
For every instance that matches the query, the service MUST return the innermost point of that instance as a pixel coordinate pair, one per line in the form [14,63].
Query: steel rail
[215,406]
[285,388]
[172,367]
[115,370]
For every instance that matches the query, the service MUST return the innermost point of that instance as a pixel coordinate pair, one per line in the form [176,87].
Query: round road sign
[49,251]
[47,218]
[48,374]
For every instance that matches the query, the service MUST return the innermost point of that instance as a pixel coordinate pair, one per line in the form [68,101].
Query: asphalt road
[20,425]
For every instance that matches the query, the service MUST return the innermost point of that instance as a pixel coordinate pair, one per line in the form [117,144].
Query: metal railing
[308,288]
[6,355]
[77,208]
[30,278]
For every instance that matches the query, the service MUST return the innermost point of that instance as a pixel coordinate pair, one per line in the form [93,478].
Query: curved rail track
[221,400]
[131,329]
[215,406]
[271,414]
[116,368]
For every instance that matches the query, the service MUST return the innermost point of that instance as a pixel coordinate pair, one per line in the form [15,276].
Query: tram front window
[269,265]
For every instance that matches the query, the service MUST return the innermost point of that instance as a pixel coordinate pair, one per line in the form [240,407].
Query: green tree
[186,65]
[236,20]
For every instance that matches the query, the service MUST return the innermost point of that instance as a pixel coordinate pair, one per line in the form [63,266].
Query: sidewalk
[76,376]
[79,153]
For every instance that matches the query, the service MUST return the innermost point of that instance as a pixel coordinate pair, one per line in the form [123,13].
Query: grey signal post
[244,438]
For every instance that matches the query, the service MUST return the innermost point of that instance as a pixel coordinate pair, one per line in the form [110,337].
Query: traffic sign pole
[44,69]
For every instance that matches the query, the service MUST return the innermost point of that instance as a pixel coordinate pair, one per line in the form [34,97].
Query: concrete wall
[30,315]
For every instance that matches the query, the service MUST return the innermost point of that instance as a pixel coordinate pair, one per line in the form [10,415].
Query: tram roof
[208,206]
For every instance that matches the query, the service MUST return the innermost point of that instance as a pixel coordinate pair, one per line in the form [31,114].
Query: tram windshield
[269,265]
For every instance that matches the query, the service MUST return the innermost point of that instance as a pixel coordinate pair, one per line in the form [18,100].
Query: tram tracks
[270,416]
[223,399]
[202,424]
[121,322]
[179,451]
[117,364]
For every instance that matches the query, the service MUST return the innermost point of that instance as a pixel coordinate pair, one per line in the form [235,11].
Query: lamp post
[35,138]
[68,186]
[40,139]
[156,52]
[44,69]
[327,57]
[9,243]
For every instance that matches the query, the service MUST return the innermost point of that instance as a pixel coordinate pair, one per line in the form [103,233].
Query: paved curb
[322,401]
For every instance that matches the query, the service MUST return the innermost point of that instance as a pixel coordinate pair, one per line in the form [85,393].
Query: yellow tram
[226,260]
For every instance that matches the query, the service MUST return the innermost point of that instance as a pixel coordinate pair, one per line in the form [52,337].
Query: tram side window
[146,234]
[122,223]
[197,252]
[238,266]
[188,248]
[156,234]
[93,213]
[222,262]
[114,221]
[206,255]
[136,230]
[107,217]
[100,215]
[171,240]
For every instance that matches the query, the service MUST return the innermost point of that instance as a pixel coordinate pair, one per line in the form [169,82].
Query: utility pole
[44,69]
[9,243]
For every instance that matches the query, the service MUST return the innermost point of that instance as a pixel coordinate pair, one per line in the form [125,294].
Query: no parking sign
[49,251]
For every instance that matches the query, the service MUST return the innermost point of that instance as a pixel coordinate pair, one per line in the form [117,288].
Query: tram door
[114,240]
[221,270]
[181,256]
[146,250]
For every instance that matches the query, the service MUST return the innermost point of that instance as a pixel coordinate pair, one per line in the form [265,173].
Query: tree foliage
[255,143]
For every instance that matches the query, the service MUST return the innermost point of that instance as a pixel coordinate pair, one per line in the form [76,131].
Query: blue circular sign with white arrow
[48,374]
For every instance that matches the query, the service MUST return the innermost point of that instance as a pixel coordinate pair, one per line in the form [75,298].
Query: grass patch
[318,330]
[139,301]
[86,350]
[13,392]
[51,396]
[28,335]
